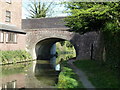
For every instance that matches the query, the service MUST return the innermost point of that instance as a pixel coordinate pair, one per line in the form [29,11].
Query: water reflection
[37,74]
[43,77]
[13,75]
[34,74]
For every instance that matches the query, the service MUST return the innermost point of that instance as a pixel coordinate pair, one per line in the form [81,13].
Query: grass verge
[100,75]
[67,78]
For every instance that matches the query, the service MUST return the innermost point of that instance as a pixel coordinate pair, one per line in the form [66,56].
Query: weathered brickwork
[82,43]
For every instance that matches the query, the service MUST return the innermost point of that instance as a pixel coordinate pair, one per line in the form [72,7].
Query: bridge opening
[50,47]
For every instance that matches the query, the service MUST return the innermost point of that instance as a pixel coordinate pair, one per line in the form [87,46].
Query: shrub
[14,56]
[66,80]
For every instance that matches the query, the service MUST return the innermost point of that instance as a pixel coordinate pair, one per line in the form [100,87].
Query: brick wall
[20,45]
[15,7]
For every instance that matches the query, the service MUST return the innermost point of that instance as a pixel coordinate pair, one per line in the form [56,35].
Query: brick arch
[81,43]
[43,48]
[36,36]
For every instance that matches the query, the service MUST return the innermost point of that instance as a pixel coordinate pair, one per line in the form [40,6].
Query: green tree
[62,43]
[69,45]
[38,9]
[93,16]
[98,16]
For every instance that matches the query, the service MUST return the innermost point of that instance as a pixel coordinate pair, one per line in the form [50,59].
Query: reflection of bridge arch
[43,33]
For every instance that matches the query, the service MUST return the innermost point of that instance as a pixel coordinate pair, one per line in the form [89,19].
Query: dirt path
[82,77]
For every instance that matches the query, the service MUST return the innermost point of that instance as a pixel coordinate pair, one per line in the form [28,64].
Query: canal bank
[16,56]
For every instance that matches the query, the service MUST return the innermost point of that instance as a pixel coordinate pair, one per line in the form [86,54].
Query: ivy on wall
[112,49]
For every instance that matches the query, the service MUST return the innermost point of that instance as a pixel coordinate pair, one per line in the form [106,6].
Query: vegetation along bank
[7,57]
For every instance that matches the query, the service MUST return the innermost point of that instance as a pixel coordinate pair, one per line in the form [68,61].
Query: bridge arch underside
[43,48]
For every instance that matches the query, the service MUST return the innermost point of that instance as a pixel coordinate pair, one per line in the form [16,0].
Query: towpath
[82,76]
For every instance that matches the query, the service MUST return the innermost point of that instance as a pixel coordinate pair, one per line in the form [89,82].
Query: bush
[66,80]
[14,56]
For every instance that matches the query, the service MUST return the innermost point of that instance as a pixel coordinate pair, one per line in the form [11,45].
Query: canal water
[33,74]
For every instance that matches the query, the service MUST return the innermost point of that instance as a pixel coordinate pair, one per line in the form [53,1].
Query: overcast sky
[58,9]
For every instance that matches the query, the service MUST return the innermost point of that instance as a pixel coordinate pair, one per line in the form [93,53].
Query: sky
[58,9]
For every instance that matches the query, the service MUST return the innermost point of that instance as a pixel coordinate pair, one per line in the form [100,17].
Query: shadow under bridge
[43,48]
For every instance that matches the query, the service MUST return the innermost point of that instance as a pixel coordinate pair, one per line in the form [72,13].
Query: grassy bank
[14,56]
[67,78]
[100,75]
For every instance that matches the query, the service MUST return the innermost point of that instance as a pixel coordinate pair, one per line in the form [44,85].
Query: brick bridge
[43,33]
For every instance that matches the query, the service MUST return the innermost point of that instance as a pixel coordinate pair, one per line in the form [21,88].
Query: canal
[33,74]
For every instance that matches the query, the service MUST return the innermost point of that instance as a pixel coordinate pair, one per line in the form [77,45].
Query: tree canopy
[98,16]
[38,9]
[93,16]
